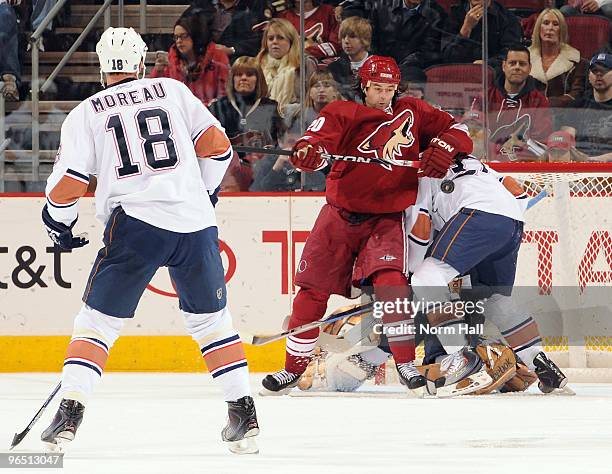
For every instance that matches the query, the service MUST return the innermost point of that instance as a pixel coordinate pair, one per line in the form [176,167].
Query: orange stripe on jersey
[87,350]
[524,335]
[212,142]
[224,355]
[422,227]
[67,190]
[513,186]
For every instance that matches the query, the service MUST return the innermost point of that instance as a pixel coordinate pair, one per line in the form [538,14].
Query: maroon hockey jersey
[321,28]
[348,128]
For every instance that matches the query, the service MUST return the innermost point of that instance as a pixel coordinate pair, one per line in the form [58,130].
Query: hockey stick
[261,340]
[331,157]
[19,436]
[536,199]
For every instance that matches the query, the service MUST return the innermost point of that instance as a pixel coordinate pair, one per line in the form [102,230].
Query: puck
[447,186]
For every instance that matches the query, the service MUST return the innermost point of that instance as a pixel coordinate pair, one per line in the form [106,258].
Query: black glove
[214,196]
[61,234]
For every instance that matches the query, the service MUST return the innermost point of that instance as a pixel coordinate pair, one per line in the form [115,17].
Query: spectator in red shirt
[194,59]
[519,113]
[320,28]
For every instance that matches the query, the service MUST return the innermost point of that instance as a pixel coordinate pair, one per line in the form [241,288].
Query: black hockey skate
[241,427]
[64,426]
[411,377]
[462,372]
[280,383]
[549,374]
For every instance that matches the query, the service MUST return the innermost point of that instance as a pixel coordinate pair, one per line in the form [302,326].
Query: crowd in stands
[242,59]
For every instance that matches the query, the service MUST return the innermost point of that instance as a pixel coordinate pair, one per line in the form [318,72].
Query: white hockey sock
[93,335]
[527,354]
[222,350]
[452,335]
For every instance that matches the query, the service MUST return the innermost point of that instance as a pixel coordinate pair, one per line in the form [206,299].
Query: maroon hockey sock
[392,286]
[309,305]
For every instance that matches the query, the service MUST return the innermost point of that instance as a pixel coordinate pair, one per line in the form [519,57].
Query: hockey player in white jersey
[479,217]
[157,154]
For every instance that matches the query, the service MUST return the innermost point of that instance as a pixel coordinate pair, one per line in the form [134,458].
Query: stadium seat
[455,86]
[588,33]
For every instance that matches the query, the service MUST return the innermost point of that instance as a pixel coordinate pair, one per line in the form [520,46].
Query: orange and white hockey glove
[307,156]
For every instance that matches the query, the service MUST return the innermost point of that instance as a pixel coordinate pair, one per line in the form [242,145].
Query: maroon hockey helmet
[379,69]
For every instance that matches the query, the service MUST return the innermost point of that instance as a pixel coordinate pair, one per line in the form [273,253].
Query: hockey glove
[61,234]
[439,156]
[307,156]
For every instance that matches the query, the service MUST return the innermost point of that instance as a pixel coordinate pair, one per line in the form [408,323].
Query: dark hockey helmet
[379,69]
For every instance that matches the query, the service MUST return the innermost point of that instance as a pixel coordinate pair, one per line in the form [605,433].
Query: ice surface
[171,423]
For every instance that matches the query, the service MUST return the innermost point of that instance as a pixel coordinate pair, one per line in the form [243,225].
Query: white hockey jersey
[139,138]
[475,186]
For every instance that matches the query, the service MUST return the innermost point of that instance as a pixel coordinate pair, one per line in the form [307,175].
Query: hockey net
[566,257]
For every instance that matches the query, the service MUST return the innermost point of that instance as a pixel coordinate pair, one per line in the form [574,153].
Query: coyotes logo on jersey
[315,32]
[389,138]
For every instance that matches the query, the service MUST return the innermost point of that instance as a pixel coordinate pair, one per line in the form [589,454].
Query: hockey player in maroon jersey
[359,233]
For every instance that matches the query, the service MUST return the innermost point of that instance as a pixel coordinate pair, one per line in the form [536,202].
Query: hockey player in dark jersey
[359,233]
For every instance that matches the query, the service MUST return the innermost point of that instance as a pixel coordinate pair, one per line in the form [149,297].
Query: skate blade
[247,445]
[61,440]
[264,392]
[477,381]
[416,392]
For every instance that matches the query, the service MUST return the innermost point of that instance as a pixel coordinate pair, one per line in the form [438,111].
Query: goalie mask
[121,50]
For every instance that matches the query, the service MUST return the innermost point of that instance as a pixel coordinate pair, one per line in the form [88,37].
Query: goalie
[348,370]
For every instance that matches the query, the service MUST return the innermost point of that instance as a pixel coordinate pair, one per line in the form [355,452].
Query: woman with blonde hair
[555,63]
[279,58]
[249,118]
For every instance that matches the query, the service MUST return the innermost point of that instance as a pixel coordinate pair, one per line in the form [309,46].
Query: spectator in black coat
[464,44]
[408,30]
[232,24]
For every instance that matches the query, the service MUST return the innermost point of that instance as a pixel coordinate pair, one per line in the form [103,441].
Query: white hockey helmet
[121,50]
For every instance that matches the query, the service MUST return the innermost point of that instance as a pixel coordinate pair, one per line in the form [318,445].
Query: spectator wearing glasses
[194,59]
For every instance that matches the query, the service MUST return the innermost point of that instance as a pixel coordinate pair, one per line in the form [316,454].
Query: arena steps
[159,18]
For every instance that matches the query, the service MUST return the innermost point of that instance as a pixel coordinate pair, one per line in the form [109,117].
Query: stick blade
[18,438]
